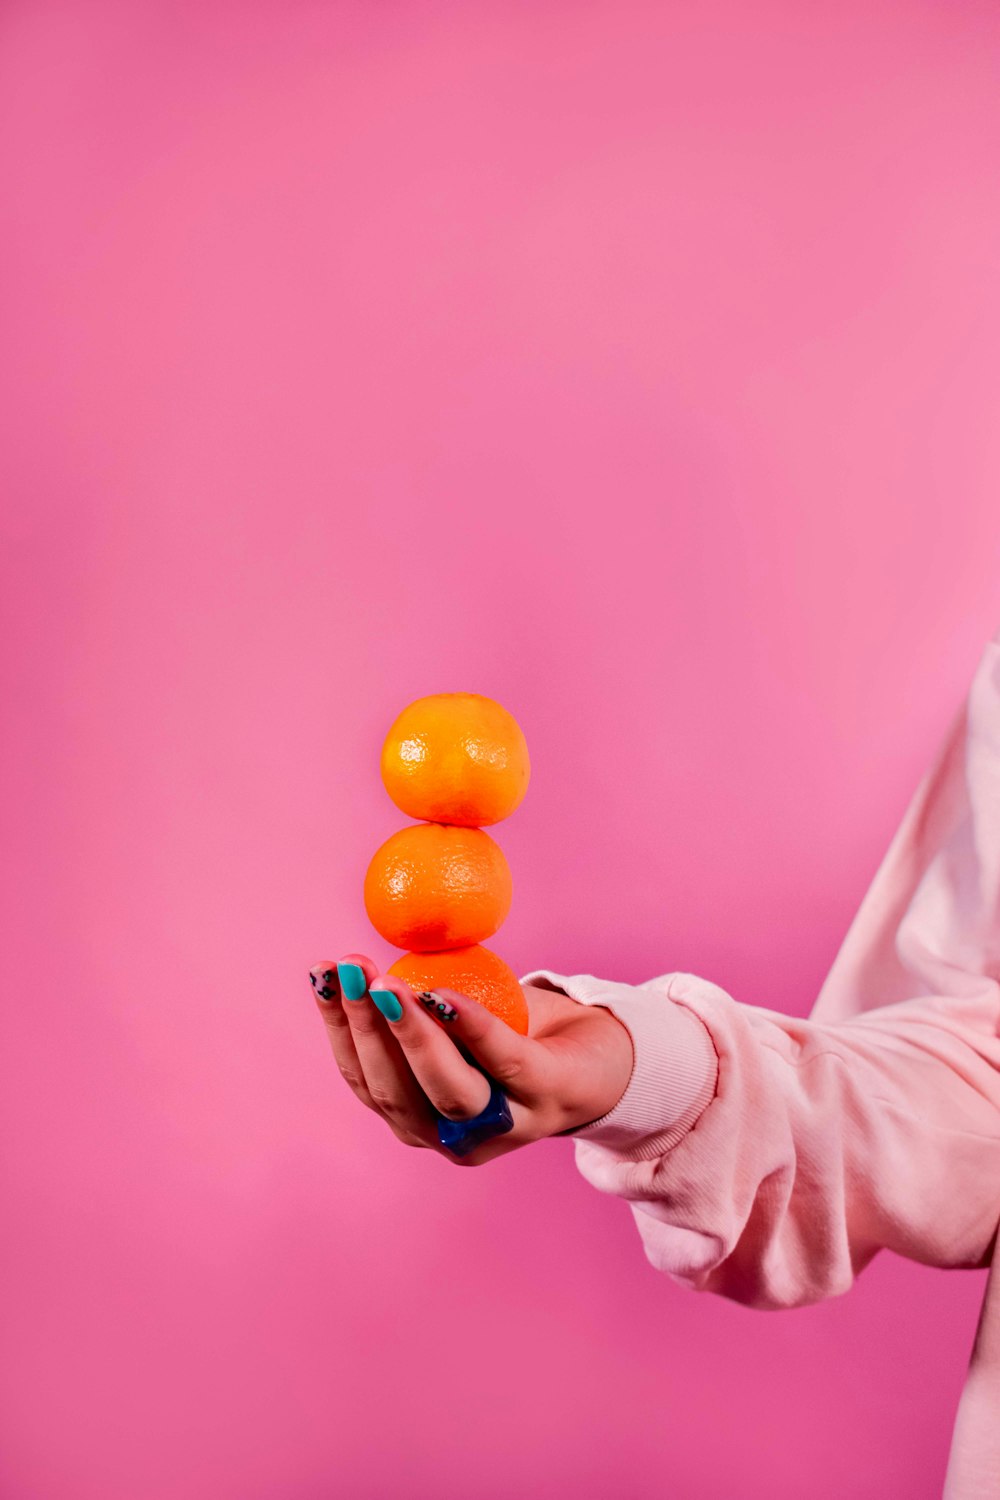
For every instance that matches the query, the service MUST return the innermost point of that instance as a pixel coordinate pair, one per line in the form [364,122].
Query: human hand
[571,1068]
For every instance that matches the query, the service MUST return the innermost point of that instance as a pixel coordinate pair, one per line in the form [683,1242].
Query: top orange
[456,758]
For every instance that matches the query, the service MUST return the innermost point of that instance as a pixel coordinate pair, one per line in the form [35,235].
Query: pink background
[635,364]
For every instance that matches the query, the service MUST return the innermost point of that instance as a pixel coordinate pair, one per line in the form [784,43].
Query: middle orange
[435,886]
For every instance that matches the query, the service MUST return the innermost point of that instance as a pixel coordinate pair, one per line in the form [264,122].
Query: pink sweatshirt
[769,1159]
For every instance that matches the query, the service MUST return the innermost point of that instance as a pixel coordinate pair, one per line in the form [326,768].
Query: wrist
[618,1055]
[619,1050]
[675,1066]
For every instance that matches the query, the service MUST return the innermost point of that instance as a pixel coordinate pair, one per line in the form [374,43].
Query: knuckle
[334,1019]
[455,1109]
[352,1078]
[508,1071]
[384,1100]
[415,1041]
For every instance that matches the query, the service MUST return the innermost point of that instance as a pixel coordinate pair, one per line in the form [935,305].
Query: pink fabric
[769,1158]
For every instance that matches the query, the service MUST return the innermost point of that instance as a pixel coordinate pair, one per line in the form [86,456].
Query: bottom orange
[475,972]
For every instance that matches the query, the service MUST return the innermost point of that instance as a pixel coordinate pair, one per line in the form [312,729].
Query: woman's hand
[571,1068]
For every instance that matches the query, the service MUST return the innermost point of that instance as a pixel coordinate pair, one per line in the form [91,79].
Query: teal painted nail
[353,984]
[388,1004]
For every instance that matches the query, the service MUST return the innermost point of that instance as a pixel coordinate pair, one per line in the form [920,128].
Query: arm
[768,1158]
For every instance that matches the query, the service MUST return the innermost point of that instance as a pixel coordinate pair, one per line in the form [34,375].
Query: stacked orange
[442,886]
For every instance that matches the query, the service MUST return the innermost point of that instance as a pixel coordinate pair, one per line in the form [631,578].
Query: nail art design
[388,1003]
[353,983]
[321,983]
[441,1007]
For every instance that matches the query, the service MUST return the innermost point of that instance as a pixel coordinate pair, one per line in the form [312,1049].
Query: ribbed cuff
[675,1065]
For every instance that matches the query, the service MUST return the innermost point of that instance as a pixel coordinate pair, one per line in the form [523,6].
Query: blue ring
[462,1136]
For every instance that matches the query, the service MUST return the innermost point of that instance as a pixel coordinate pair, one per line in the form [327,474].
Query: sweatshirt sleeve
[784,1154]
[769,1158]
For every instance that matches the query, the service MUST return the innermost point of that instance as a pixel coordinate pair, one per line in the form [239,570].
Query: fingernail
[322,982]
[438,1006]
[387,1002]
[353,983]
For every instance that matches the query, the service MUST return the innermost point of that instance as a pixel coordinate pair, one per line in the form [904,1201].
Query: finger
[454,1088]
[388,1078]
[521,1066]
[327,990]
[355,971]
[325,982]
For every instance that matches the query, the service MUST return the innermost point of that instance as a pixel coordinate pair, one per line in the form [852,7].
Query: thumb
[518,1063]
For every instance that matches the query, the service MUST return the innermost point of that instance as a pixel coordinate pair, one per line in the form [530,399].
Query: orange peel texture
[433,886]
[457,758]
